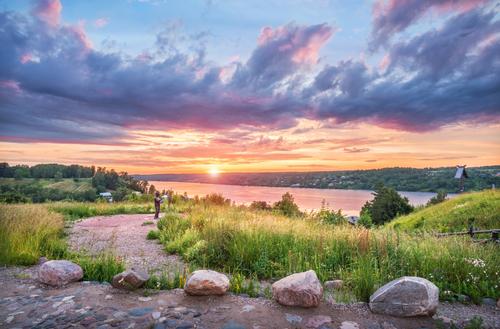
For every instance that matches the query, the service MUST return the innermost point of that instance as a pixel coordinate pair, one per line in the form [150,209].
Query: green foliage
[102,267]
[440,197]
[215,199]
[454,214]
[327,216]
[28,232]
[241,285]
[166,281]
[153,235]
[287,206]
[365,220]
[386,205]
[77,210]
[260,205]
[264,245]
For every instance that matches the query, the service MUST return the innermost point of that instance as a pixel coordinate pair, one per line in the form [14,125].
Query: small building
[353,219]
[107,196]
[461,174]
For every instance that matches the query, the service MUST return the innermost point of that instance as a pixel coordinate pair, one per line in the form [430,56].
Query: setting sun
[214,171]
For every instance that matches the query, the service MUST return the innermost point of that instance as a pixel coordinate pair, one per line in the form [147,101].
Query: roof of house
[461,173]
[105,194]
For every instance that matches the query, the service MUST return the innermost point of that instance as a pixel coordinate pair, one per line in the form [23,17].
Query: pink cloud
[49,11]
[25,58]
[101,22]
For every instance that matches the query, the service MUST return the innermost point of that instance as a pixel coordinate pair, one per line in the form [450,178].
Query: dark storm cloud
[391,17]
[55,86]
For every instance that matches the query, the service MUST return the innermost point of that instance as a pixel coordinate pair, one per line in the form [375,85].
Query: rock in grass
[334,284]
[130,279]
[206,282]
[406,296]
[299,289]
[59,272]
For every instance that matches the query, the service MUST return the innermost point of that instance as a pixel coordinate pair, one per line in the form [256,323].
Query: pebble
[155,315]
[108,297]
[248,308]
[140,311]
[317,321]
[293,318]
[185,325]
[349,325]
[159,325]
[65,299]
[9,319]
[233,325]
[145,299]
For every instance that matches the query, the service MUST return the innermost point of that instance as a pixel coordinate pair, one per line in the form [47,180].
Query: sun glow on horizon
[214,171]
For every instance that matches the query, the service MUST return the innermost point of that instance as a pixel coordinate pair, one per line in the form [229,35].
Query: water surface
[350,201]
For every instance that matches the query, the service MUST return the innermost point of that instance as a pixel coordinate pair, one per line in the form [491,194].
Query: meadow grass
[78,210]
[263,245]
[28,232]
[454,214]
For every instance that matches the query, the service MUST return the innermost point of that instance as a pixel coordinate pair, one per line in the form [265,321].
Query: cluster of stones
[403,297]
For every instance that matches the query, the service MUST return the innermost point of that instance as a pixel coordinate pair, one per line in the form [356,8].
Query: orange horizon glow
[318,149]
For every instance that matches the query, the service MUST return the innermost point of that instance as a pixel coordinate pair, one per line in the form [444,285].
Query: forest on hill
[401,179]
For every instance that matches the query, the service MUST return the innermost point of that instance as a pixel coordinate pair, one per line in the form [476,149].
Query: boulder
[206,282]
[59,272]
[130,279]
[299,289]
[334,284]
[406,296]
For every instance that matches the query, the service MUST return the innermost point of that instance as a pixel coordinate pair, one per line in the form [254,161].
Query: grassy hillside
[454,214]
[66,184]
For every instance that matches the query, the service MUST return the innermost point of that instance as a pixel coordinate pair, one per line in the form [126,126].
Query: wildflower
[476,262]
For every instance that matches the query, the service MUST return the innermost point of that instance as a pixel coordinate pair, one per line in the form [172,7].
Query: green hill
[453,215]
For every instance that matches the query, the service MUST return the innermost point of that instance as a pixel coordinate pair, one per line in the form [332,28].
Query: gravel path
[125,236]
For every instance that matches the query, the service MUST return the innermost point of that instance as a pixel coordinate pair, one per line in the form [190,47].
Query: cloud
[101,22]
[433,79]
[48,11]
[356,150]
[54,85]
[393,16]
[280,53]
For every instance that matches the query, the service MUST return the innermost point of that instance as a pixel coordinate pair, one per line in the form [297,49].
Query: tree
[440,197]
[386,205]
[152,189]
[287,206]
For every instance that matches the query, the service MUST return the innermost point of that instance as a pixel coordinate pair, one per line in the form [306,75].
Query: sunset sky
[164,86]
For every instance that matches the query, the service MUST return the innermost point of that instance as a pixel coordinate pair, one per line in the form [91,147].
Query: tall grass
[77,210]
[28,232]
[236,240]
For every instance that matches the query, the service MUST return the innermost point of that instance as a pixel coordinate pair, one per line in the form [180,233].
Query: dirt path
[125,235]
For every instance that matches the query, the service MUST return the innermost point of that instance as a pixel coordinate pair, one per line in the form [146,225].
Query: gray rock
[206,282]
[130,279]
[140,311]
[489,302]
[406,296]
[293,318]
[59,272]
[299,289]
[185,325]
[316,321]
[349,325]
[156,315]
[334,284]
[159,326]
[233,325]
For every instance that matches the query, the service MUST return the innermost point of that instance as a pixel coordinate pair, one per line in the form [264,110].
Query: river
[350,201]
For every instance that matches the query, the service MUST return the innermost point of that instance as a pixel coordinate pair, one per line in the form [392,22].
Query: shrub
[153,235]
[287,206]
[440,197]
[386,205]
[260,205]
